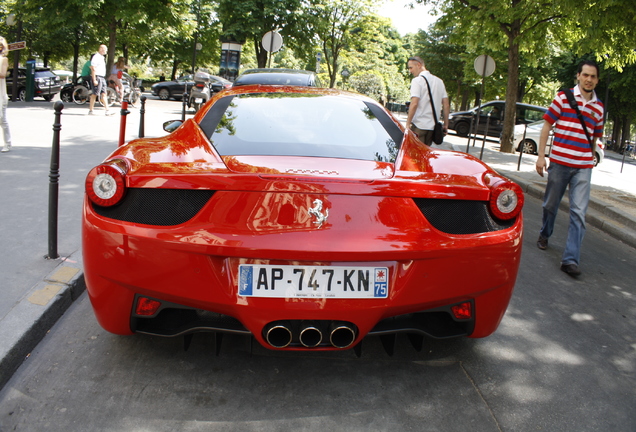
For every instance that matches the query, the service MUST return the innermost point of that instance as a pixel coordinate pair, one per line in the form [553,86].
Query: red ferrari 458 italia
[305,218]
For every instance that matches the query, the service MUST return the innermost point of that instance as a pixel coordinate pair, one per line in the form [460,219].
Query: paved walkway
[36,291]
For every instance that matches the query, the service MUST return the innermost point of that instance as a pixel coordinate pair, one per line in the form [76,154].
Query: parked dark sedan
[460,122]
[47,84]
[173,89]
[274,76]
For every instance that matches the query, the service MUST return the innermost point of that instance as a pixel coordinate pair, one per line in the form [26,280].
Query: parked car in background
[460,121]
[531,142]
[217,83]
[47,84]
[173,89]
[272,76]
[303,217]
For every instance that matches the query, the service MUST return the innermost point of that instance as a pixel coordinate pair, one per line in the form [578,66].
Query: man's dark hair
[589,63]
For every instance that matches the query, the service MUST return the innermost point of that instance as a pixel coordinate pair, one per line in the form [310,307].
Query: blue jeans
[579,181]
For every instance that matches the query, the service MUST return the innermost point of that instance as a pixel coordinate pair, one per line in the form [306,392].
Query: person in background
[115,76]
[420,117]
[4,99]
[571,161]
[97,81]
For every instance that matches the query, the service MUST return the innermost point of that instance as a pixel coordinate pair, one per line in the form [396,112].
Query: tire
[596,158]
[48,98]
[111,97]
[66,96]
[22,94]
[80,95]
[528,146]
[462,129]
[134,98]
[164,94]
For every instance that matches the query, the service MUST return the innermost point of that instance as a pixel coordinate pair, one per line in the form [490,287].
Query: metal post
[142,113]
[470,129]
[54,176]
[483,143]
[122,123]
[185,101]
[523,140]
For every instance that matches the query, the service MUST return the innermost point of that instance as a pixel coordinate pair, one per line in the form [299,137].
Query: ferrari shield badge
[316,211]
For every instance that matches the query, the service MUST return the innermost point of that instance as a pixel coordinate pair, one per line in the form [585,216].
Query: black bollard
[142,113]
[54,186]
[483,143]
[185,101]
[523,140]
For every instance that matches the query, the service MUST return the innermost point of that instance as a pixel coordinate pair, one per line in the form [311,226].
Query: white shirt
[423,117]
[99,64]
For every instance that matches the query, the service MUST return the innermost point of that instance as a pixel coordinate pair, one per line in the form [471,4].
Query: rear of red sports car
[306,218]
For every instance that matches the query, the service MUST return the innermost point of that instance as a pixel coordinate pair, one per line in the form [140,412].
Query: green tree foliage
[530,27]
[247,21]
[334,24]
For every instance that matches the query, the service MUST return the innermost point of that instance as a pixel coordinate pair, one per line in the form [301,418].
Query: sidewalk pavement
[46,288]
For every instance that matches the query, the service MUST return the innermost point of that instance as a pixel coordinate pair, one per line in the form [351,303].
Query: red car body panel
[258,215]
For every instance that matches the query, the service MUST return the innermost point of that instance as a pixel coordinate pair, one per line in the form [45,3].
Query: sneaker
[571,269]
[542,243]
[6,148]
[109,113]
[90,112]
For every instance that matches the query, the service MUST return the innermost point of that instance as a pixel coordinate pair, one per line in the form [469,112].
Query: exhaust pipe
[310,336]
[278,335]
[342,335]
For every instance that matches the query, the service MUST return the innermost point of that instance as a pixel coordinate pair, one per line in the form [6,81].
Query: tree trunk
[507,134]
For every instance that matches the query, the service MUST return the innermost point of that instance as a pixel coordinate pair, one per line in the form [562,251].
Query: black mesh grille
[163,207]
[460,216]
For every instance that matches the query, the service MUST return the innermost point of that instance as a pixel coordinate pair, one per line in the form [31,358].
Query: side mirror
[172,125]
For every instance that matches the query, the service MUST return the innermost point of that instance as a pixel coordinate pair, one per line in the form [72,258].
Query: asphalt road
[563,359]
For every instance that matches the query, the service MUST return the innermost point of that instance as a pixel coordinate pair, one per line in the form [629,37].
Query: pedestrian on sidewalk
[98,80]
[571,161]
[421,118]
[4,98]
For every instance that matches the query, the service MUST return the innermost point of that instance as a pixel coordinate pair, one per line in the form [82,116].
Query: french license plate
[282,281]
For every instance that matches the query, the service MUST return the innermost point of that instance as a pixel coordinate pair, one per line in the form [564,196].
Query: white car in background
[531,142]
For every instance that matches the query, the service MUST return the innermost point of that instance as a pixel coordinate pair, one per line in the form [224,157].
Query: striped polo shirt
[571,147]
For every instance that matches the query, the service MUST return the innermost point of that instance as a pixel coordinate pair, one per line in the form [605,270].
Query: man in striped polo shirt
[571,161]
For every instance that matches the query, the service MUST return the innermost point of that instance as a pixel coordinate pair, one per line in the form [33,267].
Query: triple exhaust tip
[280,335]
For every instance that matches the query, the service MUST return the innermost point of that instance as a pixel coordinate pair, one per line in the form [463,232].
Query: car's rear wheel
[462,129]
[164,94]
[528,146]
[596,158]
[66,96]
[22,94]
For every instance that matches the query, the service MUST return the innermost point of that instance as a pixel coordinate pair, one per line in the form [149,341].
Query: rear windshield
[44,74]
[296,124]
[275,78]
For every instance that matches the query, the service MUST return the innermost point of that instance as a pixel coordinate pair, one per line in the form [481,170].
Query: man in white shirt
[420,117]
[98,80]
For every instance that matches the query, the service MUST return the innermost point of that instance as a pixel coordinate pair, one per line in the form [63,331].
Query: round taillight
[506,200]
[106,185]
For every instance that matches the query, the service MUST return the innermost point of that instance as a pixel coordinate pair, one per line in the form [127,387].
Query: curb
[31,318]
